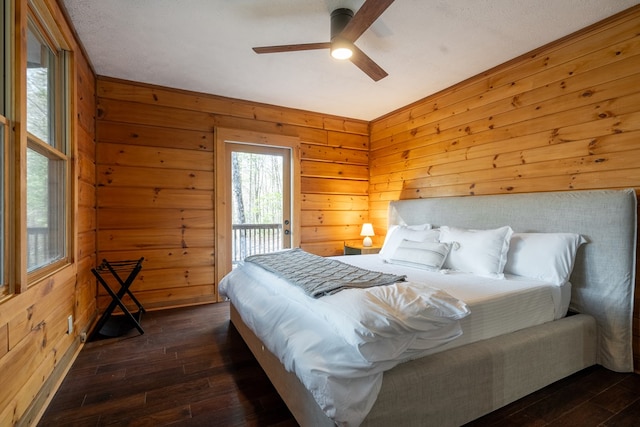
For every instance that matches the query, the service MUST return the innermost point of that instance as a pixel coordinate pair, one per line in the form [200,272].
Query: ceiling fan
[345,30]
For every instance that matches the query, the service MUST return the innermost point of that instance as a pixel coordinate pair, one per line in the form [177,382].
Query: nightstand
[352,248]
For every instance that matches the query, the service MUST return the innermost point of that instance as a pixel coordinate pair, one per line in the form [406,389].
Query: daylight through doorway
[260,200]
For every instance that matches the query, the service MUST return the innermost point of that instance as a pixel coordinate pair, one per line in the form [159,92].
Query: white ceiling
[424,45]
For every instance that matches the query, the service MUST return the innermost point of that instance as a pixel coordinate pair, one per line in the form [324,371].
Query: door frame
[222,193]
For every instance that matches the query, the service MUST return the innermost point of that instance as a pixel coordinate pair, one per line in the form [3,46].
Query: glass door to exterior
[260,192]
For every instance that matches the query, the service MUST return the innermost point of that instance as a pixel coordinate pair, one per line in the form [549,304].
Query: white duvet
[339,345]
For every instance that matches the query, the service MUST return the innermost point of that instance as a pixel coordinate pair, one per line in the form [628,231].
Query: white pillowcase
[429,255]
[482,252]
[544,256]
[397,233]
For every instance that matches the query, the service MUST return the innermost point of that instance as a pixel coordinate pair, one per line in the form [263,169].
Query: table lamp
[367,232]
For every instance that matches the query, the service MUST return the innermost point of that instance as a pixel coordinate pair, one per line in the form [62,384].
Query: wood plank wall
[565,117]
[85,164]
[36,349]
[155,195]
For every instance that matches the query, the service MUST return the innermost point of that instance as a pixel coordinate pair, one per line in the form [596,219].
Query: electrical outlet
[70,324]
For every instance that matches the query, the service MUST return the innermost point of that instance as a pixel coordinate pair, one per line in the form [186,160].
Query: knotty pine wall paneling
[85,238]
[155,196]
[335,179]
[564,117]
[155,201]
[37,350]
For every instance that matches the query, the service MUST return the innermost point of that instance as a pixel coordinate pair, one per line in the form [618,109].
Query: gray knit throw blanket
[318,276]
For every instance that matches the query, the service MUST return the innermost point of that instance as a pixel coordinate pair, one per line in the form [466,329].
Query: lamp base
[367,242]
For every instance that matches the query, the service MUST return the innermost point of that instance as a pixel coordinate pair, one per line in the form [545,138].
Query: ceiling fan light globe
[341,53]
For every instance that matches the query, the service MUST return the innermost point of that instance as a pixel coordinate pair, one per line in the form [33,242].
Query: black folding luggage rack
[108,324]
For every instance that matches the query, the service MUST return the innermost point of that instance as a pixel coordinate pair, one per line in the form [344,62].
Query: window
[4,288]
[47,161]
[3,54]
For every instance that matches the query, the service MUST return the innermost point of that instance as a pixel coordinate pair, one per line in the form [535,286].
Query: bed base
[455,386]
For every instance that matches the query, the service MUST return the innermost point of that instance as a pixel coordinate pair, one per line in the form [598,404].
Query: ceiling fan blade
[291,47]
[366,64]
[364,17]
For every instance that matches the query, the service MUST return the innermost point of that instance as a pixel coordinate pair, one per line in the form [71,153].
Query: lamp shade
[367,231]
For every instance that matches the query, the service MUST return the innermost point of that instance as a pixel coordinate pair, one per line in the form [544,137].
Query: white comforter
[340,345]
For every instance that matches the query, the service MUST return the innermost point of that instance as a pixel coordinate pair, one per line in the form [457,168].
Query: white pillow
[482,252]
[544,256]
[397,233]
[429,255]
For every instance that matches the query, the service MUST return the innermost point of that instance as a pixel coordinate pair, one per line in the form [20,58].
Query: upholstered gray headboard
[603,278]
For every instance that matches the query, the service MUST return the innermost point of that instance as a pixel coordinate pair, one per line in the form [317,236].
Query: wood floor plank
[628,417]
[585,415]
[191,368]
[150,416]
[615,398]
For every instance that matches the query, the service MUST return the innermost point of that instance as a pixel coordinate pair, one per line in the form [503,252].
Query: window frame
[7,287]
[60,146]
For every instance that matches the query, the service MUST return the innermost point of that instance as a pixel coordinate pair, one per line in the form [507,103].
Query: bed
[459,381]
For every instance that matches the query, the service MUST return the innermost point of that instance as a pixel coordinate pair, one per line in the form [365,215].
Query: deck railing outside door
[38,244]
[251,239]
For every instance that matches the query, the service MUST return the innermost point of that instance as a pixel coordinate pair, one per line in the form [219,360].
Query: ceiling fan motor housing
[339,19]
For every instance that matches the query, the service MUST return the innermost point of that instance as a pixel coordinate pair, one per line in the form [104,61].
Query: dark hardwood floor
[191,368]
